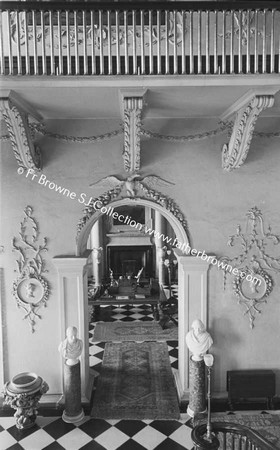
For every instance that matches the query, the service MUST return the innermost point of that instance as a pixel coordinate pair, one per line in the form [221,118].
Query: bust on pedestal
[71,349]
[198,341]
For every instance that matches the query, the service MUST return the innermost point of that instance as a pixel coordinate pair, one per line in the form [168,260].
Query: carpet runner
[136,382]
[136,331]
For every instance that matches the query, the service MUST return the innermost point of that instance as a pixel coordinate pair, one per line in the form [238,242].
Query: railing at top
[151,38]
[229,436]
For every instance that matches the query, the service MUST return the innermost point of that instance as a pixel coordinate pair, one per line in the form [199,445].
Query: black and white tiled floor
[51,433]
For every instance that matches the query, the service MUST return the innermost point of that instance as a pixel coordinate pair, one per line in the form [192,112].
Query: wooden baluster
[207,57]
[10,43]
[2,62]
[35,53]
[183,43]
[199,42]
[26,41]
[59,69]
[19,66]
[93,59]
[142,42]
[158,43]
[118,43]
[85,43]
[52,68]
[240,44]
[216,70]
[175,58]
[278,45]
[231,42]
[256,47]
[272,54]
[191,42]
[134,57]
[77,65]
[109,43]
[167,43]
[224,44]
[68,43]
[151,61]
[43,43]
[126,62]
[264,43]
[101,55]
[248,42]
[224,441]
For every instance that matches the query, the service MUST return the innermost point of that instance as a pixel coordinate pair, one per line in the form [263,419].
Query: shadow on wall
[225,340]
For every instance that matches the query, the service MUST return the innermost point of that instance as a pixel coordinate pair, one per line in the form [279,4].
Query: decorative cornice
[16,118]
[235,152]
[132,103]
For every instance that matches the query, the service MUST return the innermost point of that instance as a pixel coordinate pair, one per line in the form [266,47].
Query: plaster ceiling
[57,101]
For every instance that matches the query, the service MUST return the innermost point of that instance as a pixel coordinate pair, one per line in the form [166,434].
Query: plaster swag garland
[40,129]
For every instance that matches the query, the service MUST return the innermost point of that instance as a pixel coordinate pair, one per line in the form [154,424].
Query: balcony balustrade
[139,38]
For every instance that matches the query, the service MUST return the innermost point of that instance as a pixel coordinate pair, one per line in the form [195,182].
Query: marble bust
[198,340]
[71,348]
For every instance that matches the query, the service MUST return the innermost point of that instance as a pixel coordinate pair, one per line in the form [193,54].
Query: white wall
[213,202]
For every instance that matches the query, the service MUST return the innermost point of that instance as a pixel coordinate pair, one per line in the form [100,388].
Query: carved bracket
[235,152]
[15,114]
[30,289]
[132,103]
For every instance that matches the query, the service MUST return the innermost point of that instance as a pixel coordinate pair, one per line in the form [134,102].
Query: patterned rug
[133,331]
[136,382]
[268,425]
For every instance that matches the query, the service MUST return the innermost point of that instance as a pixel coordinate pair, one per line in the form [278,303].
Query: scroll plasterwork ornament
[26,152]
[255,260]
[30,289]
[235,152]
[132,132]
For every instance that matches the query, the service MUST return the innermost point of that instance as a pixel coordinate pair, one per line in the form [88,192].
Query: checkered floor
[53,434]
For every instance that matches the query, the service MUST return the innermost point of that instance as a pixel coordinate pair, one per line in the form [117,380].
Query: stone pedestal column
[72,394]
[197,388]
[73,300]
[192,304]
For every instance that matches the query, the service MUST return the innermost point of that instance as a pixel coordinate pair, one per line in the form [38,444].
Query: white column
[192,304]
[159,228]
[73,300]
[95,236]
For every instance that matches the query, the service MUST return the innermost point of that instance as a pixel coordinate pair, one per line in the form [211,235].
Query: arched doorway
[179,226]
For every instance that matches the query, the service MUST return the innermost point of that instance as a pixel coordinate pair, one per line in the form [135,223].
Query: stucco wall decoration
[252,284]
[30,289]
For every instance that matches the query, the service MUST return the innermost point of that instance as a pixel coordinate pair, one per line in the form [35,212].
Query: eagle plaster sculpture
[130,182]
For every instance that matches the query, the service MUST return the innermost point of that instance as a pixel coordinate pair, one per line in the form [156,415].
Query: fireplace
[128,260]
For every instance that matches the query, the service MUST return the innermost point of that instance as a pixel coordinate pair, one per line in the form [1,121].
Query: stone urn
[23,394]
